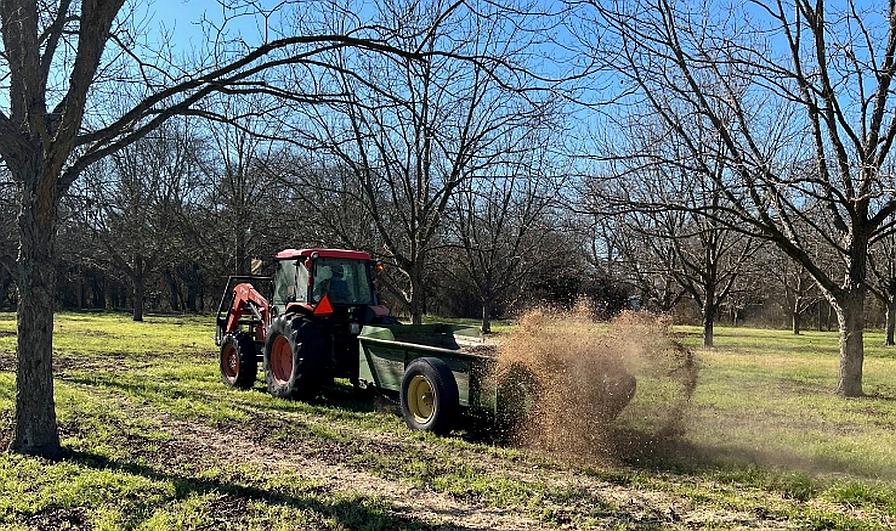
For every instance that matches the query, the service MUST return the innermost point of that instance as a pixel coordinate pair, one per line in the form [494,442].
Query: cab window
[285,283]
[346,281]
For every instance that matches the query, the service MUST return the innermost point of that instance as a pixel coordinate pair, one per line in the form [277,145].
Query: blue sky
[181,19]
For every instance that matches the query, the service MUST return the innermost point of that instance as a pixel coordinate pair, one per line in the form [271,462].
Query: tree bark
[139,292]
[851,319]
[708,331]
[709,315]
[486,318]
[415,296]
[795,321]
[415,293]
[35,429]
[891,322]
[173,295]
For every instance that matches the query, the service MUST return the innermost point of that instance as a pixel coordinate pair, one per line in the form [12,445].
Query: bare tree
[662,205]
[495,218]
[241,184]
[135,199]
[882,266]
[57,59]
[798,290]
[799,94]
[635,263]
[411,133]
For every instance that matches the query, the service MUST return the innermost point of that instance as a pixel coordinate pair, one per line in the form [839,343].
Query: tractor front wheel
[293,353]
[429,398]
[237,361]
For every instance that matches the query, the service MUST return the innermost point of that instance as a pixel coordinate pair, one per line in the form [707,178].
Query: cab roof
[288,254]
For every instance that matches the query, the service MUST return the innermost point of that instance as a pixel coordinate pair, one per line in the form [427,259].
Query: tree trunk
[851,319]
[35,429]
[173,295]
[708,331]
[891,321]
[139,292]
[709,316]
[486,318]
[795,321]
[107,294]
[415,299]
[241,255]
[4,287]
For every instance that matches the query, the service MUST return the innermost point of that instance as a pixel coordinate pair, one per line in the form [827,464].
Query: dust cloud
[570,385]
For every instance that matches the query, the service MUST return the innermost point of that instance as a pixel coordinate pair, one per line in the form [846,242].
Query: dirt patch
[228,509]
[6,419]
[56,518]
[94,333]
[108,362]
[290,441]
[7,361]
[404,499]
[565,379]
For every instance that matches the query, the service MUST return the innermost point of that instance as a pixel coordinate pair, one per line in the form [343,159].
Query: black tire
[238,361]
[304,378]
[444,397]
[517,389]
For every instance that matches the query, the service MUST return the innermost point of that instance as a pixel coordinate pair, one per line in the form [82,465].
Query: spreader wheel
[429,398]
[237,361]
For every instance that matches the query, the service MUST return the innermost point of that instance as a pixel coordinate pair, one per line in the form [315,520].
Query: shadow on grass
[353,512]
[669,452]
[650,451]
[337,396]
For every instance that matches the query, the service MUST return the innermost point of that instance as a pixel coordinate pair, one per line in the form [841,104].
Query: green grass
[767,396]
[499,326]
[155,441]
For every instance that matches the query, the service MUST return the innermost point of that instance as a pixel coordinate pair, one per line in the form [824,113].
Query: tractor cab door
[290,284]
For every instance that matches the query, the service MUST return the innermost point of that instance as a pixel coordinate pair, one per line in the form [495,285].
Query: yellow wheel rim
[421,399]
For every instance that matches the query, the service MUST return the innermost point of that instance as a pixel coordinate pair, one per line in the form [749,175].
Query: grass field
[155,441]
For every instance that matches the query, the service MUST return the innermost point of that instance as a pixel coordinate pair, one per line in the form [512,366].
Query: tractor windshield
[347,281]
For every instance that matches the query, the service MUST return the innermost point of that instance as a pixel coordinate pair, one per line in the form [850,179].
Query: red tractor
[306,332]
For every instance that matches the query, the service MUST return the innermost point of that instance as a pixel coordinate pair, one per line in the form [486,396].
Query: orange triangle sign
[324,307]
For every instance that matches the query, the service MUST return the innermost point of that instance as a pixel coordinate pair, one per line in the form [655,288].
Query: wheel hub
[230,364]
[281,360]
[421,399]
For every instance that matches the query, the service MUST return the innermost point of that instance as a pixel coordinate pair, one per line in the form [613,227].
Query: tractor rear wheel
[429,398]
[293,358]
[237,361]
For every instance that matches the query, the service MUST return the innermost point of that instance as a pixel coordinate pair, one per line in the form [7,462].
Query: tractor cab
[326,282]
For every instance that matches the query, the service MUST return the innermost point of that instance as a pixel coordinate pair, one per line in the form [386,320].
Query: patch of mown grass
[106,491]
[764,435]
[878,496]
[767,397]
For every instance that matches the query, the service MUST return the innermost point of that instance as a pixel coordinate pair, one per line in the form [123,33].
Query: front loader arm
[247,308]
